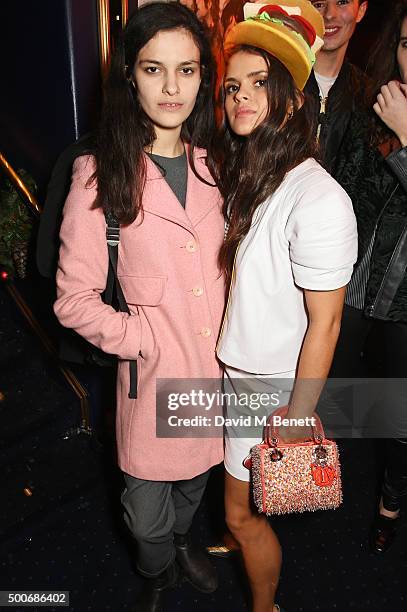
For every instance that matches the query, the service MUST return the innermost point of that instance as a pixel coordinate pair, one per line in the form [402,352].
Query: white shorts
[236,381]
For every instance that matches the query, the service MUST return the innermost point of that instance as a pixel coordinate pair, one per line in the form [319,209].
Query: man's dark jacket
[346,95]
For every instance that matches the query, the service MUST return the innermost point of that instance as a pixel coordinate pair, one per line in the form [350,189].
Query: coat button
[191,246]
[205,332]
[197,291]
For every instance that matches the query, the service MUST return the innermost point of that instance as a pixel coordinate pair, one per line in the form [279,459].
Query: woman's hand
[295,434]
[391,107]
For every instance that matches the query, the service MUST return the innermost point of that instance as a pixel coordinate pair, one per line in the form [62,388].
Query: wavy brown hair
[251,168]
[125,130]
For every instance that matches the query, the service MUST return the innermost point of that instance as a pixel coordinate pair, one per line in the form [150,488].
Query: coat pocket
[143,290]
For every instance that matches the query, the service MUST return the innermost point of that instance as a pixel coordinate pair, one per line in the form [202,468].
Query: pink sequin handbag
[297,476]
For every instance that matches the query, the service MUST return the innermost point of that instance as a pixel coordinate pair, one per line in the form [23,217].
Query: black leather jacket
[332,115]
[390,299]
[378,189]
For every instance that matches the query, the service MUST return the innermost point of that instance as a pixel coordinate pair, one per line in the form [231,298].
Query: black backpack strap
[112,239]
[113,284]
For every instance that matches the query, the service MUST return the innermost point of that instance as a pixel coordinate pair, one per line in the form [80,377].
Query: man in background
[336,87]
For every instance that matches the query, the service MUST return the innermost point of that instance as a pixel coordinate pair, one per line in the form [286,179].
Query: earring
[290,115]
[131,83]
[130,77]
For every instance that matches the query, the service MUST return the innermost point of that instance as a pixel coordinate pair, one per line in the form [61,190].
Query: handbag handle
[271,433]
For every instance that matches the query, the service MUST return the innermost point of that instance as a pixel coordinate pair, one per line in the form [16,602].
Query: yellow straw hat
[290,30]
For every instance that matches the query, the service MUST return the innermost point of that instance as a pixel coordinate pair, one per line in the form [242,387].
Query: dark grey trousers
[154,511]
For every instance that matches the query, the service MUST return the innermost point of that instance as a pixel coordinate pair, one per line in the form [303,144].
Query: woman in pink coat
[149,169]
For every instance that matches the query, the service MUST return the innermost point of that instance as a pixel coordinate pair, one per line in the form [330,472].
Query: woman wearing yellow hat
[291,246]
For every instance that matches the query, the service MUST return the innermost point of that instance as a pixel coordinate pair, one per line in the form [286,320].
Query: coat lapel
[201,198]
[160,200]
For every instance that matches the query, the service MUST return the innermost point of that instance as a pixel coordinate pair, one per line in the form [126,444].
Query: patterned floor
[68,535]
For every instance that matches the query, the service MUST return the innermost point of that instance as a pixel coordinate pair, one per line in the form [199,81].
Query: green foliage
[16,221]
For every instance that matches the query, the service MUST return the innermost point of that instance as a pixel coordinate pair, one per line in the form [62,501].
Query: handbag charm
[322,473]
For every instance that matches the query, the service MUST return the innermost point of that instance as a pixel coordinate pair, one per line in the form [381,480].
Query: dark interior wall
[368,31]
[50,79]
[132,5]
[86,62]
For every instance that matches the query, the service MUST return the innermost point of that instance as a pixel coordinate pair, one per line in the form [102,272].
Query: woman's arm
[82,273]
[323,247]
[324,313]
[50,220]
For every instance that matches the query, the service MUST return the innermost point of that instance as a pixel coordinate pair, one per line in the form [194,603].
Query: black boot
[383,533]
[151,599]
[195,565]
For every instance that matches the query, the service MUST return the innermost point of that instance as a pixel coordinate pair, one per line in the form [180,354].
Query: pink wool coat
[168,272]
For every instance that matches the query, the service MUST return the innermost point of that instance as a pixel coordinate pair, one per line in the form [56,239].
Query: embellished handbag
[295,476]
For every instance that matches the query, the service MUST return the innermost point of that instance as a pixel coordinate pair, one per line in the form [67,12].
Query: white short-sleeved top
[303,237]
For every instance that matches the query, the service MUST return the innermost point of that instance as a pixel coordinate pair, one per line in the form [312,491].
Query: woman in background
[373,170]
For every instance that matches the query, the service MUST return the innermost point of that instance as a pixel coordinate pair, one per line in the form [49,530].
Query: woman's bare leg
[259,545]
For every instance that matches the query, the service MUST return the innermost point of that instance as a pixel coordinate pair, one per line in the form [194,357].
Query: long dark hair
[383,66]
[125,129]
[253,167]
[383,59]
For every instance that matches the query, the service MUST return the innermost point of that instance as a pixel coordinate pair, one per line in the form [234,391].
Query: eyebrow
[251,74]
[186,63]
